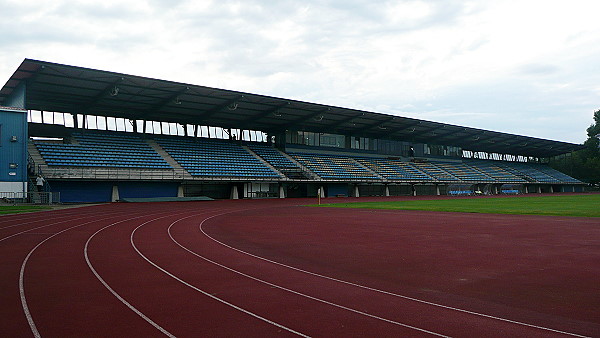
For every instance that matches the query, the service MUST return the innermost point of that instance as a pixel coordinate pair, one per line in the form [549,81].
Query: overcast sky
[524,67]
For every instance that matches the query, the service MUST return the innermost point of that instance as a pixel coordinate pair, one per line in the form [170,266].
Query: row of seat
[67,150]
[496,172]
[272,155]
[394,169]
[102,150]
[215,158]
[210,157]
[334,167]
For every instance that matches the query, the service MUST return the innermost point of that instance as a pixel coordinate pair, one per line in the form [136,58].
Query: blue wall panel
[337,189]
[16,99]
[147,189]
[13,145]
[83,192]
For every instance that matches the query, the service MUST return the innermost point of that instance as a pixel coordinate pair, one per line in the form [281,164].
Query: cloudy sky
[527,67]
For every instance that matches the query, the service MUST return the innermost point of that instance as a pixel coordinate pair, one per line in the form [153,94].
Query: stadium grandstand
[99,136]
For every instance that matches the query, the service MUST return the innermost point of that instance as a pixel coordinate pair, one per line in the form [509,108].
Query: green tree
[584,164]
[593,132]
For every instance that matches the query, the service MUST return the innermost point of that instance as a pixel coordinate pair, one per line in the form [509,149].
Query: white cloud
[514,66]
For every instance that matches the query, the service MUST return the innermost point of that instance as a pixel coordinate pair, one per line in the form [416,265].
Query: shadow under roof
[69,89]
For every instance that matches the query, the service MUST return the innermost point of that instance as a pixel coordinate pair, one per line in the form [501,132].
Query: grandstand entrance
[261,190]
[371,190]
[400,189]
[212,190]
[296,190]
[424,189]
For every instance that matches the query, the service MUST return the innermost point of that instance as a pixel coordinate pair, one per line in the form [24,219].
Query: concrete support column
[281,191]
[322,192]
[75,122]
[234,193]
[551,189]
[539,190]
[356,191]
[180,191]
[115,193]
[387,191]
[413,189]
[437,189]
[526,189]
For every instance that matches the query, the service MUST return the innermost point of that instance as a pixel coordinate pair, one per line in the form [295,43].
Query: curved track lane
[265,268]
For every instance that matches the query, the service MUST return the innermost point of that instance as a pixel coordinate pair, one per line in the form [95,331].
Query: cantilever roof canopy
[70,89]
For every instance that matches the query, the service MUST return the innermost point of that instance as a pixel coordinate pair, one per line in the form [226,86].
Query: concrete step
[262,160]
[170,160]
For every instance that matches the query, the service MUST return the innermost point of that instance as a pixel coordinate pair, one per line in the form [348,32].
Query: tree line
[584,164]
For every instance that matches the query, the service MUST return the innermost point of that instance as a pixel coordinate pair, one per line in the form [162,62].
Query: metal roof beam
[266,113]
[405,128]
[218,108]
[369,126]
[306,118]
[342,121]
[106,91]
[173,98]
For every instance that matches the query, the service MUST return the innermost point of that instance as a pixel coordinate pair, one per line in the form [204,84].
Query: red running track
[275,268]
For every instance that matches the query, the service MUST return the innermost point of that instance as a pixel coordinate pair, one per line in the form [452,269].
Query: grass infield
[560,205]
[10,209]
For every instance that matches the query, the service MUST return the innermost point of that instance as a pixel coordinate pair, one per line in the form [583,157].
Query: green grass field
[10,209]
[560,205]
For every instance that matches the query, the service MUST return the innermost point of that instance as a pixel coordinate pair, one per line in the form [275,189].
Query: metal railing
[114,174]
[138,174]
[30,197]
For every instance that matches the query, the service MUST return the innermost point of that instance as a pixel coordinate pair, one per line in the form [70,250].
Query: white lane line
[300,293]
[126,303]
[28,315]
[206,293]
[47,225]
[382,291]
[53,218]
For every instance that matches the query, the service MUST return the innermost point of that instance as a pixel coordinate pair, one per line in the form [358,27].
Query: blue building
[13,150]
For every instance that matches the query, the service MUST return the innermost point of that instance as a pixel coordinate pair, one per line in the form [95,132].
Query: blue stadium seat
[97,149]
[214,158]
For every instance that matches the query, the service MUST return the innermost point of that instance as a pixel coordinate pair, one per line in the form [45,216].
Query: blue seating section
[528,172]
[272,155]
[463,172]
[494,171]
[395,169]
[214,158]
[102,150]
[333,167]
[563,178]
[436,172]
